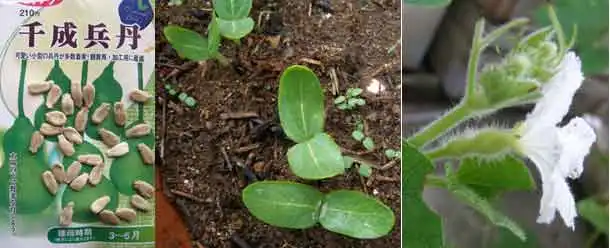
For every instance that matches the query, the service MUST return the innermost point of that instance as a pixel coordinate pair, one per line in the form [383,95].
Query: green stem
[84,73]
[437,128]
[141,87]
[473,61]
[24,64]
[436,181]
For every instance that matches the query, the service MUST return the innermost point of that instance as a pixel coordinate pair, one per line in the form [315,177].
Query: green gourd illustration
[130,167]
[107,90]
[83,199]
[59,77]
[32,195]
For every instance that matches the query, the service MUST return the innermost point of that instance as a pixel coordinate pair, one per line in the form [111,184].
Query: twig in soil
[236,239]
[332,73]
[187,196]
[226,157]
[238,115]
[247,148]
[311,61]
[364,185]
[362,153]
[388,165]
[386,179]
[198,244]
[249,159]
[182,69]
[265,13]
[383,68]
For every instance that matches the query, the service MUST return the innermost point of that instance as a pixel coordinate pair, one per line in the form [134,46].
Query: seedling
[315,156]
[350,100]
[358,135]
[391,153]
[230,20]
[182,96]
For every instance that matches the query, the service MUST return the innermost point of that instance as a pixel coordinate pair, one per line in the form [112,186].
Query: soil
[207,155]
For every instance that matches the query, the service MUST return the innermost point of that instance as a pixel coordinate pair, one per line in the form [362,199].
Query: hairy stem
[437,128]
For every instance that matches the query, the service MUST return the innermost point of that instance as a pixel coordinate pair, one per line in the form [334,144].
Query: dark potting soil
[209,153]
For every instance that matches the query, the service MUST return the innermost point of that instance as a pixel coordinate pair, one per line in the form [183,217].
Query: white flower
[558,152]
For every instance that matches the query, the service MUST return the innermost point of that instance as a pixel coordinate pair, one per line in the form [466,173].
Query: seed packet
[77,123]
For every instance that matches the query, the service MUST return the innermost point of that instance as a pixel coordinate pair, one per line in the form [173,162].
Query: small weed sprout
[358,135]
[351,100]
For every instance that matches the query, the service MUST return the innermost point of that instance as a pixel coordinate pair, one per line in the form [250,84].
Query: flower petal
[576,139]
[557,93]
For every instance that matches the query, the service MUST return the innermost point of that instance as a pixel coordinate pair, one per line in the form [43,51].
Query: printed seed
[59,173]
[127,214]
[108,137]
[36,141]
[140,203]
[100,113]
[148,156]
[118,150]
[108,217]
[39,88]
[80,122]
[49,130]
[120,116]
[65,146]
[50,182]
[79,182]
[53,96]
[138,131]
[56,118]
[77,93]
[88,95]
[65,217]
[98,205]
[91,159]
[73,171]
[144,189]
[96,175]
[139,96]
[67,104]
[73,135]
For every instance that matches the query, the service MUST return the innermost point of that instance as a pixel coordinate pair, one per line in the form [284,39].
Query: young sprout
[358,135]
[365,170]
[175,2]
[350,100]
[391,153]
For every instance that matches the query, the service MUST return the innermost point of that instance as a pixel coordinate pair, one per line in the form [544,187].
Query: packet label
[77,123]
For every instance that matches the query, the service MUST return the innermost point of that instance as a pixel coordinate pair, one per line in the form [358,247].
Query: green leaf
[188,43]
[358,135]
[391,153]
[343,106]
[365,170]
[348,162]
[368,143]
[356,102]
[235,29]
[316,158]
[421,227]
[232,9]
[301,103]
[213,37]
[480,204]
[340,99]
[352,92]
[356,215]
[489,178]
[283,204]
[595,213]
